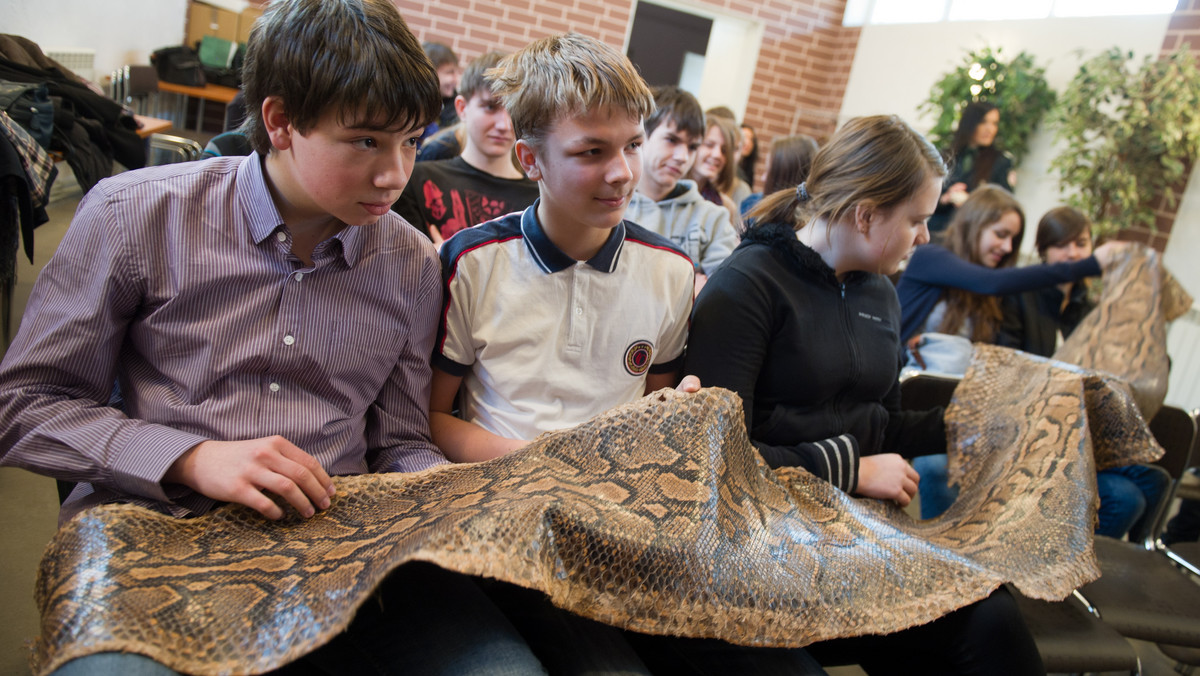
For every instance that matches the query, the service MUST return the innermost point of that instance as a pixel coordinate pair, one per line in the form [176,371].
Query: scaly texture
[658,516]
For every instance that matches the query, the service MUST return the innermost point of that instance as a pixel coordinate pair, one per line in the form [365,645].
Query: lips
[613,202]
[376,208]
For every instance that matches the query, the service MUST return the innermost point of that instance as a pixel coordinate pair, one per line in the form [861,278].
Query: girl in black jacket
[802,322]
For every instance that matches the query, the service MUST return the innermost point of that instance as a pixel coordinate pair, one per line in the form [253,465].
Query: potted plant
[1017,87]
[1130,133]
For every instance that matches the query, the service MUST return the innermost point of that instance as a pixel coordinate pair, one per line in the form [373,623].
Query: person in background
[975,160]
[444,196]
[801,321]
[787,166]
[714,170]
[749,156]
[950,297]
[668,204]
[1038,321]
[445,61]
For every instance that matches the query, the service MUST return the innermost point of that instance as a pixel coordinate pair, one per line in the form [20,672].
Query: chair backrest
[922,390]
[167,149]
[132,86]
[1175,430]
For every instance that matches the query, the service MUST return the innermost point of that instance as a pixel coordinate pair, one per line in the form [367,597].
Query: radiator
[1183,344]
[82,62]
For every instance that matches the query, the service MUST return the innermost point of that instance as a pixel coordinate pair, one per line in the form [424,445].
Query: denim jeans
[1126,495]
[424,620]
[934,488]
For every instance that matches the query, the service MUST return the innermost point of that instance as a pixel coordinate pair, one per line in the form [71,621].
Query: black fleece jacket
[814,360]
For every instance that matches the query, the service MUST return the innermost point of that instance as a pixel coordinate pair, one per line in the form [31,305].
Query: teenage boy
[560,312]
[268,321]
[667,203]
[482,183]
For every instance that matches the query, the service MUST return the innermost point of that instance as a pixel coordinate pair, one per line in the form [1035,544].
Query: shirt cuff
[139,467]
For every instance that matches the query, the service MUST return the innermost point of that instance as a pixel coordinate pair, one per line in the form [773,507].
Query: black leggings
[988,637]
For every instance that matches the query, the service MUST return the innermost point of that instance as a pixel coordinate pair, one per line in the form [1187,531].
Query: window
[863,12]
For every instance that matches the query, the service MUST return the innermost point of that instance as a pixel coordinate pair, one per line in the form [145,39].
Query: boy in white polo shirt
[563,311]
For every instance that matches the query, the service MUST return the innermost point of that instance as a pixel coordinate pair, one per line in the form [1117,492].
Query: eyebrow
[597,141]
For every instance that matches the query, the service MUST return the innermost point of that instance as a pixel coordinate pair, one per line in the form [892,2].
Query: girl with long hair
[802,323]
[975,160]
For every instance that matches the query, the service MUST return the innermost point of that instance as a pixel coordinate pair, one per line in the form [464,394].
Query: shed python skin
[658,516]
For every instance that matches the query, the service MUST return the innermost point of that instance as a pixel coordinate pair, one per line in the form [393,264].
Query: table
[151,125]
[209,92]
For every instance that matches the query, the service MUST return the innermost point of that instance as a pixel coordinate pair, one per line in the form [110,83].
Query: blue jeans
[1126,494]
[934,488]
[423,620]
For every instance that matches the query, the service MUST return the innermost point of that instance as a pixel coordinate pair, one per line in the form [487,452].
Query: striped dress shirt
[178,283]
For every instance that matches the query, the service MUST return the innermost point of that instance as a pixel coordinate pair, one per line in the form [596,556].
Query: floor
[29,518]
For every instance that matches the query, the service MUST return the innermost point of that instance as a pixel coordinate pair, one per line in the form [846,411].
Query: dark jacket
[814,360]
[962,170]
[1032,320]
[90,129]
[934,268]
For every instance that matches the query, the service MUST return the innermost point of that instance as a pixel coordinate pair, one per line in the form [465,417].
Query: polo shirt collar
[263,218]
[551,259]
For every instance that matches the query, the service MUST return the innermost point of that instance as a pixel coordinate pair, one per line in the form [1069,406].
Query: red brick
[1184,22]
[441,12]
[590,7]
[483,37]
[514,16]
[486,8]
[478,21]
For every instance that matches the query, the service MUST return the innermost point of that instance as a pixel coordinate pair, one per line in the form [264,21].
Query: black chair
[1069,634]
[1141,593]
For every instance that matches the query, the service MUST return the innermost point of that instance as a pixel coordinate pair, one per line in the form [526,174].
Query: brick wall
[798,84]
[1184,28]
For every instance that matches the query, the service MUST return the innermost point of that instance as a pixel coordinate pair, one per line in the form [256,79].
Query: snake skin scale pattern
[658,516]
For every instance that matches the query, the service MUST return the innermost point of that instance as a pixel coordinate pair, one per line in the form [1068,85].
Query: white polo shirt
[545,342]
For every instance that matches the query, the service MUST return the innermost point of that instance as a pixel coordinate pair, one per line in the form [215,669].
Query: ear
[527,156]
[460,104]
[276,122]
[865,214]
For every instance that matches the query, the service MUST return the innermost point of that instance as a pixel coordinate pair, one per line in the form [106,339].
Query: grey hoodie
[699,227]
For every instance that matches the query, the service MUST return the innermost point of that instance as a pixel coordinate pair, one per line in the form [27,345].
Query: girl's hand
[887,476]
[1109,253]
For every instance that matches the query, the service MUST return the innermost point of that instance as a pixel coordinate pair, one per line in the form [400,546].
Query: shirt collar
[551,259]
[263,218]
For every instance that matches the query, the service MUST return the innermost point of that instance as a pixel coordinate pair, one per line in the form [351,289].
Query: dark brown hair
[474,78]
[986,205]
[355,58]
[791,160]
[678,106]
[985,157]
[1060,226]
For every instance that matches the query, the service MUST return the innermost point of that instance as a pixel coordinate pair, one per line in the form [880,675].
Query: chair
[167,149]
[1141,593]
[134,86]
[1069,634]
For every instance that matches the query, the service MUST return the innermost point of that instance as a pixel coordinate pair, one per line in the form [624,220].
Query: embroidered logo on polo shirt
[637,357]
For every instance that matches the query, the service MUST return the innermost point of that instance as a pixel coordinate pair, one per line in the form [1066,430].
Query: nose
[396,168]
[1006,245]
[620,171]
[922,234]
[503,120]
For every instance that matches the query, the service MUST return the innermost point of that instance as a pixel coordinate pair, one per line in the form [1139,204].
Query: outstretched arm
[460,440]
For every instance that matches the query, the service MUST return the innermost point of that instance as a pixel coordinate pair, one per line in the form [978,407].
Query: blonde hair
[565,76]
[877,160]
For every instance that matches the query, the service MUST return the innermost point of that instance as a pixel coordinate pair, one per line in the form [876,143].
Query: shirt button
[288,340]
[579,311]
[299,276]
[281,236]
[274,387]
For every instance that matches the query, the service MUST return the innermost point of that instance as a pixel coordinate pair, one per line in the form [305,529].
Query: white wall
[121,31]
[896,66]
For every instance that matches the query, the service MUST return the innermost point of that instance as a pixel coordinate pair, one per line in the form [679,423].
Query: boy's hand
[887,476]
[688,385]
[239,471]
